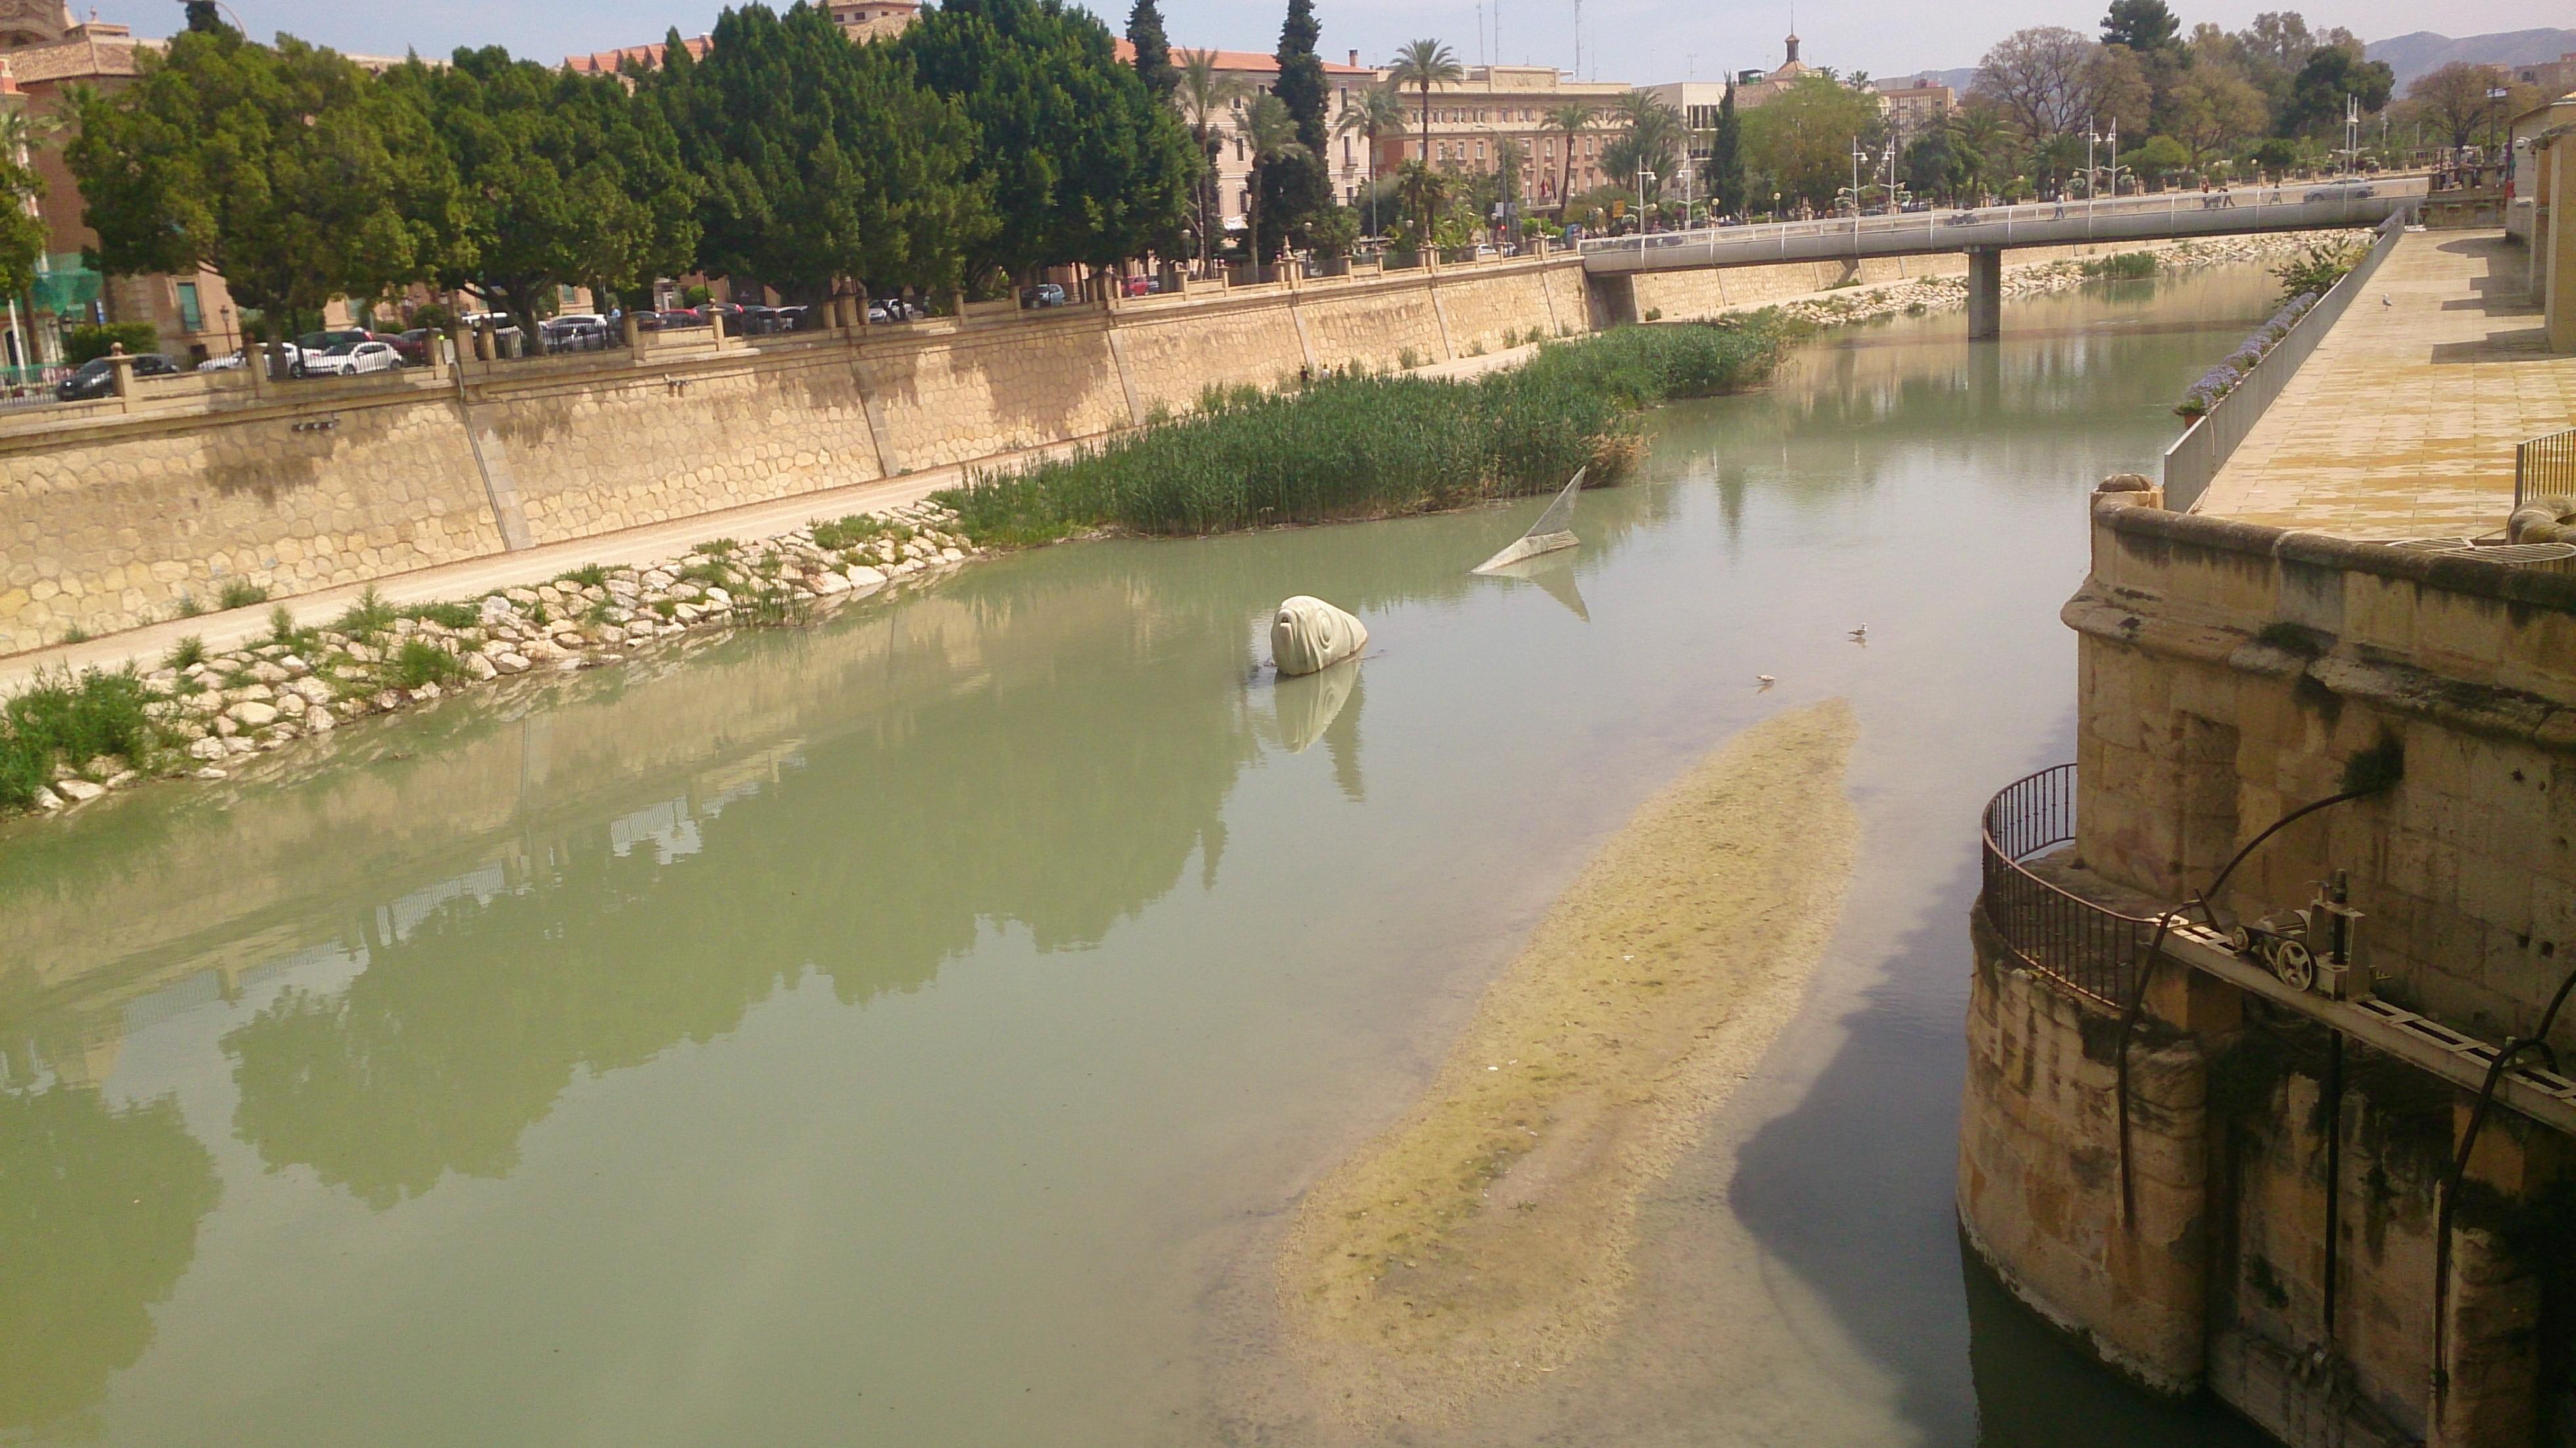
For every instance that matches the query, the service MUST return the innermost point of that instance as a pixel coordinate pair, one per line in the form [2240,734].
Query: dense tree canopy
[1153,49]
[1298,186]
[1802,138]
[285,168]
[564,179]
[824,160]
[1084,163]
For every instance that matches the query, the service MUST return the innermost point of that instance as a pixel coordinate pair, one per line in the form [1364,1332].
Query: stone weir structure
[117,513]
[2270,1156]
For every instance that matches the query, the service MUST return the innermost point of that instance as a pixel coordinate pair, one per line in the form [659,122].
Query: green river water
[916,1029]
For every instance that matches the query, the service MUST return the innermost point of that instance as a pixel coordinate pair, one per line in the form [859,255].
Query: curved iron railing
[2093,951]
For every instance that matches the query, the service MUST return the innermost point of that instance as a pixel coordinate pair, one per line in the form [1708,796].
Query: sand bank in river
[1485,1239]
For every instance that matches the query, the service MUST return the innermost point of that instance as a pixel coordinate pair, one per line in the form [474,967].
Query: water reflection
[99,1207]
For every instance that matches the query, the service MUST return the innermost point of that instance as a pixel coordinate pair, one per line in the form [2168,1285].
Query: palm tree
[1206,96]
[1376,114]
[1426,194]
[1650,139]
[1425,63]
[1509,157]
[1270,135]
[1569,120]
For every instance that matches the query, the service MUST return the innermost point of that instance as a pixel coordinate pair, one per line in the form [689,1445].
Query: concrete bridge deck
[2170,216]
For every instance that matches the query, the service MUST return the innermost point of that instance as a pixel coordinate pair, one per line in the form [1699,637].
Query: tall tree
[1376,113]
[1426,65]
[22,231]
[823,161]
[286,169]
[2454,99]
[2038,76]
[1084,162]
[2214,108]
[1726,157]
[1153,49]
[2142,26]
[565,178]
[1207,96]
[2316,103]
[204,17]
[1802,137]
[1570,120]
[1270,140]
[1650,139]
[1299,184]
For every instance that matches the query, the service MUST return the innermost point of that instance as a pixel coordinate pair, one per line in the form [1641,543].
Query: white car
[233,362]
[351,358]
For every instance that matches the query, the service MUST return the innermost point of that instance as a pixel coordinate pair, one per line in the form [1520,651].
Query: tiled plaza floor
[2403,422]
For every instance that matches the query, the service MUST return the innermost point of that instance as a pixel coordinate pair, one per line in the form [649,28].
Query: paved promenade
[2403,422]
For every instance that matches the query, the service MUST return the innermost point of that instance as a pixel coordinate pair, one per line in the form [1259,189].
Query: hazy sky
[1640,41]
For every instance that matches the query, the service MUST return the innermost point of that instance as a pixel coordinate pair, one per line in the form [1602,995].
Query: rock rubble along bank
[200,712]
[1485,1239]
[1932,294]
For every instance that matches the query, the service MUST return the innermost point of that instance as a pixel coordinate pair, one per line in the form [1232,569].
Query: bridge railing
[2250,208]
[2195,458]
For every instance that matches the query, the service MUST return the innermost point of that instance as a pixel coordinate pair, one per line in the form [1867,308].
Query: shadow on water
[1853,1191]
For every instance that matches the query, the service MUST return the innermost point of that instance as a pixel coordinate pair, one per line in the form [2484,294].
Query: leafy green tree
[565,179]
[1377,114]
[1425,194]
[1153,49]
[286,169]
[1802,137]
[205,17]
[2160,157]
[1933,165]
[2142,26]
[823,161]
[1299,184]
[1270,139]
[1085,164]
[22,232]
[2316,102]
[1570,120]
[1425,65]
[1207,96]
[1650,139]
[1726,156]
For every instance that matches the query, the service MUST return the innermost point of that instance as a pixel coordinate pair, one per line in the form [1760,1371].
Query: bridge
[1986,233]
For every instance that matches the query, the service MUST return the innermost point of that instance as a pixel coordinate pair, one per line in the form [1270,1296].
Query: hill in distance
[2408,55]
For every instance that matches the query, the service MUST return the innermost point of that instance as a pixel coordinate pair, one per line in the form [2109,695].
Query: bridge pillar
[1985,293]
[1612,300]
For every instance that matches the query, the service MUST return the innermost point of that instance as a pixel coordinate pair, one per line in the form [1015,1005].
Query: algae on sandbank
[1485,1238]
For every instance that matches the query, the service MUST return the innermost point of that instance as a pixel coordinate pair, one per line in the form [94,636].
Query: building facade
[47,56]
[1471,118]
[1258,74]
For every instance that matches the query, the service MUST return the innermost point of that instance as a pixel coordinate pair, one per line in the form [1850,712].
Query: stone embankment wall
[113,514]
[1693,294]
[2227,673]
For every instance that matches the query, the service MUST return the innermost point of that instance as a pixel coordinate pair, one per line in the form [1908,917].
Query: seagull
[1860,635]
[2383,301]
[1765,680]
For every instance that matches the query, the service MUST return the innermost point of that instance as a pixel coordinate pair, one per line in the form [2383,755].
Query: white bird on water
[1765,680]
[1860,635]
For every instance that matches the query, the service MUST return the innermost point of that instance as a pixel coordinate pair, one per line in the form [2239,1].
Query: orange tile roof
[608,62]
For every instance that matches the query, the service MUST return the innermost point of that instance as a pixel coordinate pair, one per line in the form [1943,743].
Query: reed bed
[66,719]
[1356,445]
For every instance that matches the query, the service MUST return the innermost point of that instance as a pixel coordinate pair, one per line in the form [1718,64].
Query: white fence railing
[2199,453]
[2121,218]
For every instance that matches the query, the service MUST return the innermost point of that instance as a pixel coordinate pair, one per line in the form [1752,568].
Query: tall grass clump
[420,662]
[1356,446]
[2127,266]
[62,719]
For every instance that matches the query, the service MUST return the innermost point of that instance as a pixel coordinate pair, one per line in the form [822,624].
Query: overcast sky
[1639,41]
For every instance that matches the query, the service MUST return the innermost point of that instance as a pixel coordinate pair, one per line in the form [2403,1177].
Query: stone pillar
[716,323]
[124,368]
[634,330]
[1985,293]
[2556,269]
[460,338]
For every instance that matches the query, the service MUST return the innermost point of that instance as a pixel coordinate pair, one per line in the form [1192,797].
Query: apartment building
[1471,118]
[1257,74]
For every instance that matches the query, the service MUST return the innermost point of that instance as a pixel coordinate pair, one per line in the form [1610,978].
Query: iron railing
[2545,467]
[2093,951]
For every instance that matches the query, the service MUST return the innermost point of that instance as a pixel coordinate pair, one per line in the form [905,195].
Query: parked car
[351,358]
[2342,191]
[1044,294]
[233,361]
[730,311]
[680,317]
[794,319]
[1145,286]
[414,346]
[97,378]
[574,330]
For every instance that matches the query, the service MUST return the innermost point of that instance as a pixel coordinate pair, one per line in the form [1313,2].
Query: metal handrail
[2092,950]
[2545,467]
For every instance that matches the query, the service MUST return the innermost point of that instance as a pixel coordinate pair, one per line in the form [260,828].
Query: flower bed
[2218,381]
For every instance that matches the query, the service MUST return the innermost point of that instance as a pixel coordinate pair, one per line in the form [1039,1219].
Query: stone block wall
[2039,1174]
[110,519]
[2229,674]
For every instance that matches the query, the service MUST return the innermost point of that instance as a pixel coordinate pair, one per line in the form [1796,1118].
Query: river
[919,1029]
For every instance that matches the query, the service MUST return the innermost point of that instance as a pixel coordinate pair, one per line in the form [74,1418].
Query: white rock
[251,713]
[121,778]
[951,554]
[510,663]
[209,747]
[497,612]
[719,598]
[294,667]
[426,691]
[210,772]
[318,720]
[863,577]
[79,791]
[687,613]
[828,583]
[481,667]
[47,799]
[241,744]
